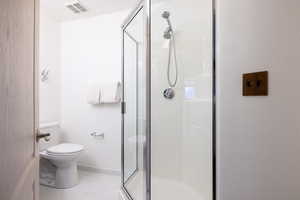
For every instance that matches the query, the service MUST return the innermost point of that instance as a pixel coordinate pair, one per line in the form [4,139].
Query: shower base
[162,189]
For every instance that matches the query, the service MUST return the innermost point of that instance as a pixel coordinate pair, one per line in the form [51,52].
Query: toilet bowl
[64,156]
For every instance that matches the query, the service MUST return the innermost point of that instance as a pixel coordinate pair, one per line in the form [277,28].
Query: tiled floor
[93,186]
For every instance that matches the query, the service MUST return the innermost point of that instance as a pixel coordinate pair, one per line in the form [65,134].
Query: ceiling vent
[76,7]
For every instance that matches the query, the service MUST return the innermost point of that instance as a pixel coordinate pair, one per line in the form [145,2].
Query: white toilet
[64,157]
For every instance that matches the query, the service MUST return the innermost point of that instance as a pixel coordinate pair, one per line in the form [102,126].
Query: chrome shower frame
[146,6]
[143,5]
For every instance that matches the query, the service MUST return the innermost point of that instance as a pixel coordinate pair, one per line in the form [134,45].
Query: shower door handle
[123,109]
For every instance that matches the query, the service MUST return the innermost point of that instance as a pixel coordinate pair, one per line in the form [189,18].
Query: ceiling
[57,10]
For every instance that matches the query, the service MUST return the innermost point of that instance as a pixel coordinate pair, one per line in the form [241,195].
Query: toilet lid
[65,148]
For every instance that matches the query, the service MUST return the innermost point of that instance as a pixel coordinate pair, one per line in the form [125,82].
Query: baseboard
[98,170]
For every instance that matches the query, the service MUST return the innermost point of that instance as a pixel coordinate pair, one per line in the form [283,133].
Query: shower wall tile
[182,127]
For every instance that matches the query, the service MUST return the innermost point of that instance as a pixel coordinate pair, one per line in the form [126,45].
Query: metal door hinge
[123,107]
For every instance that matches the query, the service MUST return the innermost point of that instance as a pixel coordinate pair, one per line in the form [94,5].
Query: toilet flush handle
[45,136]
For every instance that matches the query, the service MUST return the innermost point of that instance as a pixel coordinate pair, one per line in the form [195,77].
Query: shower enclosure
[168,142]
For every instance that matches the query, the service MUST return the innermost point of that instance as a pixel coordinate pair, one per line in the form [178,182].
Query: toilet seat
[65,149]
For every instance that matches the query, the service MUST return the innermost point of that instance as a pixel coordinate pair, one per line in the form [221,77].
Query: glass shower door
[133,105]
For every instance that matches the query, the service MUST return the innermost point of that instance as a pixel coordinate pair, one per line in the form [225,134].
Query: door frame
[36,72]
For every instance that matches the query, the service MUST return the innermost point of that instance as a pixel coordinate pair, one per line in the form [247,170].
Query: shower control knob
[169,93]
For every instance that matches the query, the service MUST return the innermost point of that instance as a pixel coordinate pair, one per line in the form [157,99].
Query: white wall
[50,58]
[91,52]
[258,137]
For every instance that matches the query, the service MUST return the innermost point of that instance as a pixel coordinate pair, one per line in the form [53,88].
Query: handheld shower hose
[169,35]
[172,47]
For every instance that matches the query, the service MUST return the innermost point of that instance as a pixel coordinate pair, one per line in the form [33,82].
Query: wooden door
[18,156]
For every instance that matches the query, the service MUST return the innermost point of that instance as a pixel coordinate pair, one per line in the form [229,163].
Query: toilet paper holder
[97,135]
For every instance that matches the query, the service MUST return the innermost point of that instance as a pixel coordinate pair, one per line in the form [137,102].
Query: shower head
[166,14]
[168,32]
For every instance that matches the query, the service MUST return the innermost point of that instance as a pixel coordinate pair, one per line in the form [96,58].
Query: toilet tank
[55,138]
